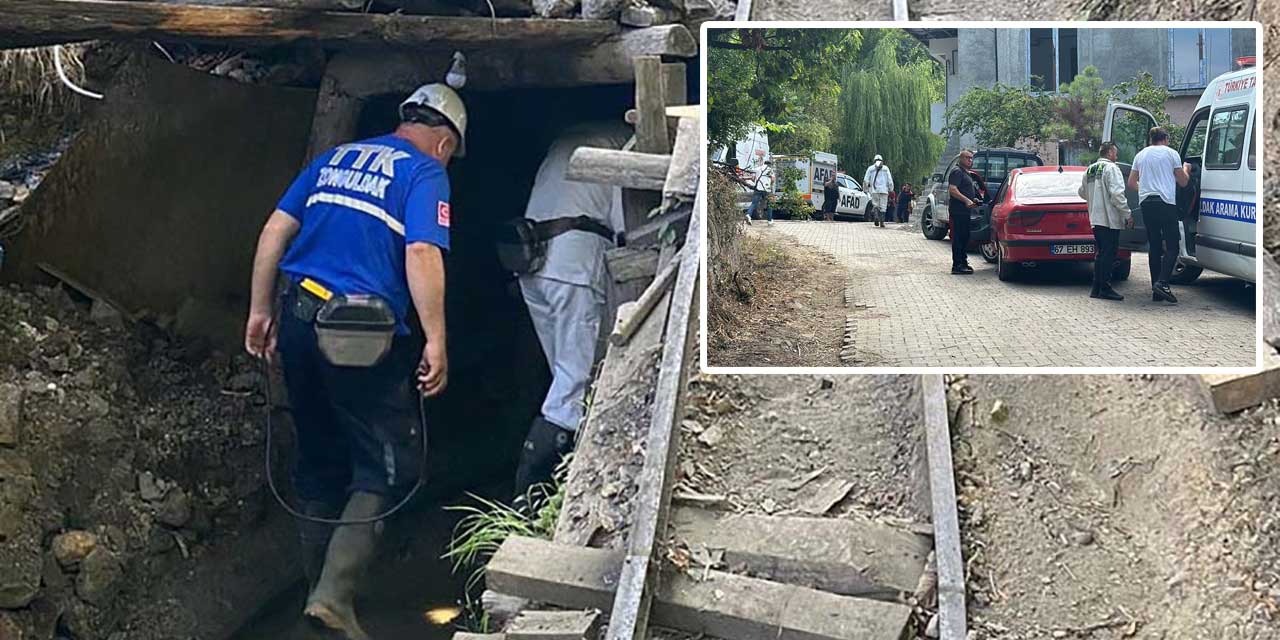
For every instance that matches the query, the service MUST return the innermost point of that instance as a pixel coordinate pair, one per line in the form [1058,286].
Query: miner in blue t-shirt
[369,218]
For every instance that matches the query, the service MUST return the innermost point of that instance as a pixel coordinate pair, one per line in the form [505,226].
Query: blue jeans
[760,198]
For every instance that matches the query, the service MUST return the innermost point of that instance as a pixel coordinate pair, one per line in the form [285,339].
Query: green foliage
[885,109]
[1003,115]
[730,109]
[790,205]
[999,116]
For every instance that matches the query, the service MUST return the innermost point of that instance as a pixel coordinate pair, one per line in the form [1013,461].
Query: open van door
[1128,126]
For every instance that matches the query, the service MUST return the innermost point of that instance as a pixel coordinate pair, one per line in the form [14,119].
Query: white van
[750,154]
[1221,144]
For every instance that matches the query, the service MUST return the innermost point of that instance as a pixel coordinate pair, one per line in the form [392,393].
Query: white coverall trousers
[567,319]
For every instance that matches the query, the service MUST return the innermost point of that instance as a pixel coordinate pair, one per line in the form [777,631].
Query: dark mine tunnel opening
[498,374]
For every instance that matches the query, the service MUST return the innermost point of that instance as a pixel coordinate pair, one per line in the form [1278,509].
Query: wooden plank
[310,5]
[900,11]
[628,169]
[609,61]
[952,622]
[638,582]
[632,263]
[743,12]
[606,456]
[683,174]
[848,557]
[637,312]
[555,625]
[675,84]
[1270,300]
[59,21]
[651,105]
[1232,392]
[645,16]
[722,605]
[336,119]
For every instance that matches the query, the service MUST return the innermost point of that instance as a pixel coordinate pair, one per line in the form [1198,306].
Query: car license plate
[1070,249]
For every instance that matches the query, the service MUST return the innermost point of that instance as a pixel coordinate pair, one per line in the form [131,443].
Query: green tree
[885,109]
[1078,112]
[730,108]
[999,116]
[1142,91]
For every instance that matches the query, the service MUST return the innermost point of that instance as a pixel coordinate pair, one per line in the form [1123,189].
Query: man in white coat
[1103,188]
[566,297]
[878,181]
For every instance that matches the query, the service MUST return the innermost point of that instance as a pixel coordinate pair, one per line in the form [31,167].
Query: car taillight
[1024,218]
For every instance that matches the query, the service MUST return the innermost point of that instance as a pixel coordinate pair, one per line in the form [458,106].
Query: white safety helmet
[443,100]
[879,157]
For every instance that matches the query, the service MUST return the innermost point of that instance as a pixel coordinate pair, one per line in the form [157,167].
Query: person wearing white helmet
[878,181]
[366,221]
[566,295]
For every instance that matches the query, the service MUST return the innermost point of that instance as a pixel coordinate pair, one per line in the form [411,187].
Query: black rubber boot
[544,447]
[314,538]
[331,604]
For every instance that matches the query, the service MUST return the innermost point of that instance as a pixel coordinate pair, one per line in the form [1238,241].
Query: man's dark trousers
[1104,262]
[959,239]
[1161,220]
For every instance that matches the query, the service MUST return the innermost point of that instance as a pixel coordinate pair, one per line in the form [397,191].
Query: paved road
[906,309]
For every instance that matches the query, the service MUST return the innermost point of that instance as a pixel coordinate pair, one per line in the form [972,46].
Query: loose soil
[788,308]
[1116,507]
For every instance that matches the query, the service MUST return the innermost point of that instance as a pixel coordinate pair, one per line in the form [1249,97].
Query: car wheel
[926,225]
[1122,269]
[1005,270]
[989,250]
[1185,273]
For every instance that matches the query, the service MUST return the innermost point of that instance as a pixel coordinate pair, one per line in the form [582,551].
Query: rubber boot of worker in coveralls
[878,181]
[566,300]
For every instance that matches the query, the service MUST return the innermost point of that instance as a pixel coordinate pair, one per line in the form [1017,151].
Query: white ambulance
[1221,143]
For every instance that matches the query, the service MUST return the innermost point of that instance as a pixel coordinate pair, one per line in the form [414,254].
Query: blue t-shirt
[359,205]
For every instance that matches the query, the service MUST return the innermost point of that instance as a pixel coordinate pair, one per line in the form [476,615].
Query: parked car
[993,164]
[854,203]
[1221,232]
[1038,216]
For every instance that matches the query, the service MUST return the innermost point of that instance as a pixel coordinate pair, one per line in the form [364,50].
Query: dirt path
[1115,507]
[794,315]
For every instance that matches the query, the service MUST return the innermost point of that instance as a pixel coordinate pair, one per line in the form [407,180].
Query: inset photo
[982,196]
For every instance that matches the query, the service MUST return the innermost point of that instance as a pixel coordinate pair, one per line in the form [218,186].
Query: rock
[20,581]
[247,381]
[17,488]
[7,190]
[11,397]
[712,436]
[105,314]
[96,406]
[554,8]
[175,511]
[827,383]
[20,194]
[72,547]
[9,629]
[151,489]
[692,426]
[1025,471]
[999,412]
[1082,537]
[99,577]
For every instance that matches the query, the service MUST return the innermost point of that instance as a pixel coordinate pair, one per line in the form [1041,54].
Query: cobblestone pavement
[906,309]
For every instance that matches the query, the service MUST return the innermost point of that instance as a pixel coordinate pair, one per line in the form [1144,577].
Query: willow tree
[885,109]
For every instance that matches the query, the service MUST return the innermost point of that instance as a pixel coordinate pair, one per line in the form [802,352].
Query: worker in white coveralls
[878,181]
[566,295]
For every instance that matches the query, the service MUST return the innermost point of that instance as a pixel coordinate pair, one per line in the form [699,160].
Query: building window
[952,61]
[1052,58]
[1197,56]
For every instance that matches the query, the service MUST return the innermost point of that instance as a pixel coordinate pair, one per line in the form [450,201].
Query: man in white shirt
[763,187]
[1103,188]
[1156,175]
[878,181]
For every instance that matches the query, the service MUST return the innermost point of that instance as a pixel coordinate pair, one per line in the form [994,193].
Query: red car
[1038,216]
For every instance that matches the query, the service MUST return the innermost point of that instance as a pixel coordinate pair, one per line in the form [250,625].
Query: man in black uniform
[830,197]
[964,197]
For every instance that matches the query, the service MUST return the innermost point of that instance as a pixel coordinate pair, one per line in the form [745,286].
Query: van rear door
[1127,126]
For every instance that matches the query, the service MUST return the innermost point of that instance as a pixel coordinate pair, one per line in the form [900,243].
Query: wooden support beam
[723,605]
[639,579]
[58,21]
[952,621]
[627,169]
[849,557]
[684,171]
[633,314]
[308,5]
[1232,392]
[555,625]
[651,105]
[370,73]
[336,120]
[632,263]
[1270,303]
[675,84]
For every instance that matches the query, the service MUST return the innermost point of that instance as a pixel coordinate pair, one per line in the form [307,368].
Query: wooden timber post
[336,117]
[651,134]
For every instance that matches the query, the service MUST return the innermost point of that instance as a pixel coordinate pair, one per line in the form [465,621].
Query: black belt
[547,229]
